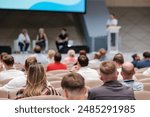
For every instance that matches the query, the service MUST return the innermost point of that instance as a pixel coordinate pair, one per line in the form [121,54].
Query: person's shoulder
[50,90]
[92,70]
[127,89]
[97,89]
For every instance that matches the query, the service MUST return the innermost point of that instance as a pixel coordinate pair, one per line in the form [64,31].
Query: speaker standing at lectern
[112,21]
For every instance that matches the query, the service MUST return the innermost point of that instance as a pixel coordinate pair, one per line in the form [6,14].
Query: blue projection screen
[44,5]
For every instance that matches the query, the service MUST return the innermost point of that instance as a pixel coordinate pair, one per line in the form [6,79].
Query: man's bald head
[128,70]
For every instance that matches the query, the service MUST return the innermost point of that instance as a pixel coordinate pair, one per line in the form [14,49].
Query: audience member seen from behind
[95,62]
[62,39]
[111,89]
[76,66]
[145,62]
[70,59]
[57,65]
[51,54]
[85,71]
[102,52]
[136,58]
[36,83]
[20,81]
[119,60]
[9,71]
[24,40]
[41,58]
[82,52]
[127,74]
[41,38]
[1,60]
[73,85]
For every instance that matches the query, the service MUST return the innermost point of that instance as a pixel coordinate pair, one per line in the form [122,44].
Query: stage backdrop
[45,5]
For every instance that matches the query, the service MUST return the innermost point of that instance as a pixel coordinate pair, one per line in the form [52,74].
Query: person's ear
[66,93]
[101,78]
[86,90]
[133,72]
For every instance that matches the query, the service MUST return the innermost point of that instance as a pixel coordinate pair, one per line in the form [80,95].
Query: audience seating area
[55,77]
[55,81]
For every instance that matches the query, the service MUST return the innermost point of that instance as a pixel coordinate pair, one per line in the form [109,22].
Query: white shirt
[95,63]
[41,58]
[147,72]
[112,22]
[15,83]
[22,38]
[10,74]
[88,73]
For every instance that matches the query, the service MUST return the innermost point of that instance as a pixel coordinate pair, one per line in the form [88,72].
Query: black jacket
[112,90]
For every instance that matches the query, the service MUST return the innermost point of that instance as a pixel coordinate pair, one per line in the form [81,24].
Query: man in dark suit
[111,89]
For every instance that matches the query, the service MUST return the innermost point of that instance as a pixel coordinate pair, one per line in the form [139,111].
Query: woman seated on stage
[24,40]
[36,83]
[41,39]
[62,39]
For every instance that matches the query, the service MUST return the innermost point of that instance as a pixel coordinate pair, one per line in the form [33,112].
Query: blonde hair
[51,53]
[36,81]
[71,53]
[41,30]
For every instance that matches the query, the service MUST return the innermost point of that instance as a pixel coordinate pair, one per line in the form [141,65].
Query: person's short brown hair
[8,60]
[82,52]
[37,49]
[3,54]
[108,68]
[118,58]
[83,60]
[97,55]
[146,54]
[57,57]
[29,61]
[73,82]
[102,51]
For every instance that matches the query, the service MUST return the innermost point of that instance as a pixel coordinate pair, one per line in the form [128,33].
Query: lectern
[113,39]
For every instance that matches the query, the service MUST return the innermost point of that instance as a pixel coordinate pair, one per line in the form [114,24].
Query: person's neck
[127,78]
[146,58]
[9,67]
[57,62]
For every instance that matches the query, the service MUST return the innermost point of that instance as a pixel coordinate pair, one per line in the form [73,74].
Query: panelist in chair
[62,39]
[41,39]
[112,21]
[24,40]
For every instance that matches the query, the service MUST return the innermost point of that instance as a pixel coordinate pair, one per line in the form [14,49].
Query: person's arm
[66,39]
[58,39]
[45,36]
[113,22]
[37,38]
[28,38]
[20,38]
